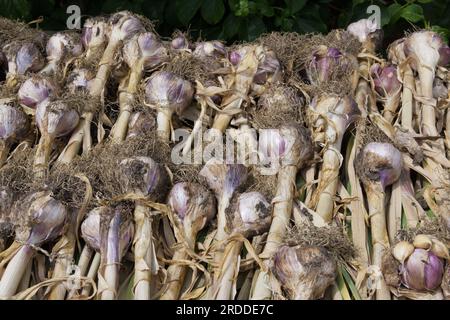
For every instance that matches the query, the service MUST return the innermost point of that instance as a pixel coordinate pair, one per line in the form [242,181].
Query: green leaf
[186,9]
[15,9]
[309,25]
[212,11]
[231,26]
[412,13]
[255,28]
[394,11]
[351,284]
[295,6]
[424,1]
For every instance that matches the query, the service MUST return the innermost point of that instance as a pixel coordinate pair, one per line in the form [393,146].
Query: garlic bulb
[91,226]
[14,123]
[62,46]
[23,58]
[304,272]
[194,205]
[250,215]
[422,271]
[35,90]
[140,123]
[144,49]
[385,79]
[143,176]
[379,162]
[123,26]
[55,118]
[45,215]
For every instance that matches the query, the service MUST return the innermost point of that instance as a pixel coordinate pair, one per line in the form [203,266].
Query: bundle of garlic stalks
[292,167]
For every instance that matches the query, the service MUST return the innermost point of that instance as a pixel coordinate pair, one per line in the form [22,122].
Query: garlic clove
[422,241]
[402,250]
[439,249]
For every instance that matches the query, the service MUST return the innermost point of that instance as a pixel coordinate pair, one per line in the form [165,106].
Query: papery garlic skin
[55,118]
[194,205]
[91,230]
[304,272]
[385,80]
[252,214]
[422,271]
[46,217]
[145,49]
[361,29]
[14,123]
[23,58]
[166,90]
[123,26]
[143,176]
[35,90]
[210,49]
[140,124]
[383,163]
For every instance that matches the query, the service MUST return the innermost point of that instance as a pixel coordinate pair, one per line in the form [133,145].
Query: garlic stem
[95,265]
[14,271]
[112,259]
[163,121]
[282,210]
[229,271]
[380,239]
[143,244]
[176,274]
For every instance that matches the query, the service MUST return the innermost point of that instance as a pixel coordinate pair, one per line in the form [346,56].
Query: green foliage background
[241,20]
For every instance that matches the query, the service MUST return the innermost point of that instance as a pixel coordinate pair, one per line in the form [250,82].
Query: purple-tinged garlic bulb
[324,63]
[180,42]
[422,271]
[144,176]
[290,145]
[14,126]
[41,218]
[141,123]
[250,214]
[422,263]
[35,90]
[91,226]
[94,35]
[210,49]
[61,47]
[269,67]
[56,118]
[194,205]
[23,58]
[79,80]
[385,80]
[124,25]
[379,164]
[168,94]
[388,87]
[45,217]
[426,49]
[14,123]
[223,179]
[304,272]
[144,50]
